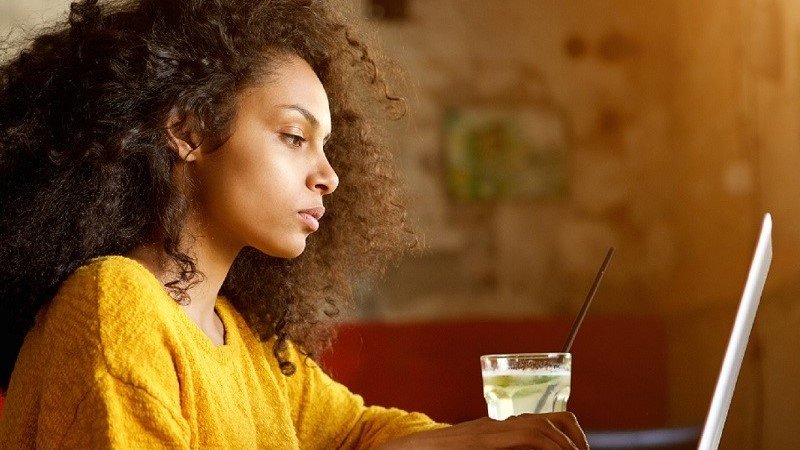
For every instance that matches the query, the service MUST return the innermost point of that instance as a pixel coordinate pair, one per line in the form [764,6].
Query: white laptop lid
[715,421]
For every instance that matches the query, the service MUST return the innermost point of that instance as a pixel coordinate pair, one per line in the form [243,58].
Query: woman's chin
[293,250]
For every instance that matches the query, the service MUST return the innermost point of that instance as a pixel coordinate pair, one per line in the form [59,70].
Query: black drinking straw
[588,301]
[577,324]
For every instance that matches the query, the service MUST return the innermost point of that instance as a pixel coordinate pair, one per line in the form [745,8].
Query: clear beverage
[515,392]
[525,383]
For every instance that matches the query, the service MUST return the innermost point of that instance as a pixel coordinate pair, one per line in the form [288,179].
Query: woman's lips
[309,220]
[311,217]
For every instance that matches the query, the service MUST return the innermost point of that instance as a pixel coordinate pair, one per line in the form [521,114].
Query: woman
[172,243]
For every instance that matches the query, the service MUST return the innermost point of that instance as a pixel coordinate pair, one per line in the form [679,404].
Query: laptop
[721,401]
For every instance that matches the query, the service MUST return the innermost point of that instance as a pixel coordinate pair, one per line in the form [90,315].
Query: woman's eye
[293,139]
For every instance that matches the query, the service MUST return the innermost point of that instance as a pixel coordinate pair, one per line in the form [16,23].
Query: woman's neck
[212,261]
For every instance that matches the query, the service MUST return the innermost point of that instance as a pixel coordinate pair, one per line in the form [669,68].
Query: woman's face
[264,186]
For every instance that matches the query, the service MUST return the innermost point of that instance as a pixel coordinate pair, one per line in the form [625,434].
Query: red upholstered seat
[619,376]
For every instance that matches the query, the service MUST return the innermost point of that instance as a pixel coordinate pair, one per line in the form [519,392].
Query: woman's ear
[182,137]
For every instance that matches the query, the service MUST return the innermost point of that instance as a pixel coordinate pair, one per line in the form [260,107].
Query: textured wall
[600,66]
[16,15]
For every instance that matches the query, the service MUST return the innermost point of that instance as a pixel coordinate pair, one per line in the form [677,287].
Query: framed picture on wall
[494,153]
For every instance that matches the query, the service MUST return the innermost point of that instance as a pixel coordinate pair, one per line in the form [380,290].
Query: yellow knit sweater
[113,361]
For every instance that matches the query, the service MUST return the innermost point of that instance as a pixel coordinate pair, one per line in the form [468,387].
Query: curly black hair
[86,168]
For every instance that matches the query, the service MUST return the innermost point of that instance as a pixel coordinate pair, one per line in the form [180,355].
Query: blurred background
[541,132]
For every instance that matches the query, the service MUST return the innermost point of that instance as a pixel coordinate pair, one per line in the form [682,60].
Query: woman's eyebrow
[306,113]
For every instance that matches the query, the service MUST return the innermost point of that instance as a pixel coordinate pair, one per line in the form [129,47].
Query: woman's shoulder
[112,277]
[107,297]
[108,318]
[110,284]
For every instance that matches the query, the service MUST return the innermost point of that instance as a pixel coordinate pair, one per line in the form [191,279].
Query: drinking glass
[526,383]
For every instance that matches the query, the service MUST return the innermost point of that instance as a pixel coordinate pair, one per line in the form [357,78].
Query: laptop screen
[756,278]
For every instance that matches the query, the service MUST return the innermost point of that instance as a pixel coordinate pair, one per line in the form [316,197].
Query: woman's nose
[325,180]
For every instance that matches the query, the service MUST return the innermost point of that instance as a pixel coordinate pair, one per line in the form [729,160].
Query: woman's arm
[553,431]
[328,415]
[116,414]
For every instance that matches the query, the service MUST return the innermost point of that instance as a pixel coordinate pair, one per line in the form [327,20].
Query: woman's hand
[552,431]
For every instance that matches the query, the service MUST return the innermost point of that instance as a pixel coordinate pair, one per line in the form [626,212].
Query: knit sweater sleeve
[328,415]
[115,414]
